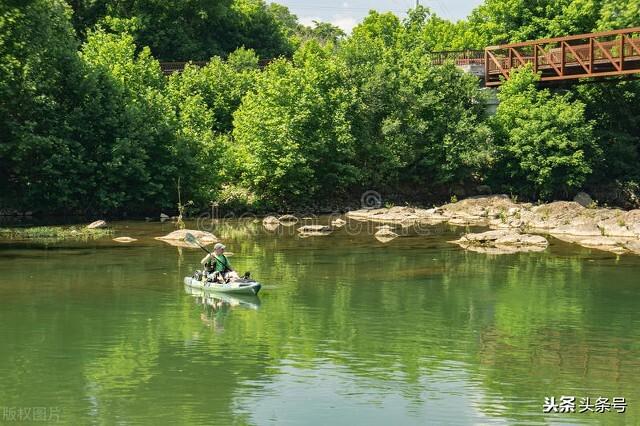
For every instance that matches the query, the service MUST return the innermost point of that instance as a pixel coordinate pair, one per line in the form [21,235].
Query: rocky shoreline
[521,224]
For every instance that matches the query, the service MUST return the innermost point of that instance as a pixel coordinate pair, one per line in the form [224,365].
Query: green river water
[346,331]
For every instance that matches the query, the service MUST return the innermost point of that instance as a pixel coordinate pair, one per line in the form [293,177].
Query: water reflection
[350,331]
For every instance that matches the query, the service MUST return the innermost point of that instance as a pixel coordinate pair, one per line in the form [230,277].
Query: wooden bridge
[604,54]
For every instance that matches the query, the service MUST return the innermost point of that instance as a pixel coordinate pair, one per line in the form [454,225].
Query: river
[346,331]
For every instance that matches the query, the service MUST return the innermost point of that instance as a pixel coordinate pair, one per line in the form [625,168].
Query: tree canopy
[89,123]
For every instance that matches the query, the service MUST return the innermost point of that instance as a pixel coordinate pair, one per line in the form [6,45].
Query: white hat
[219,246]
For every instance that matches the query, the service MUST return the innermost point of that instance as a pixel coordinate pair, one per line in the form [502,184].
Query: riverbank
[608,229]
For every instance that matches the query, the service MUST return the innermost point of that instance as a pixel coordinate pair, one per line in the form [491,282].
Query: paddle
[193,240]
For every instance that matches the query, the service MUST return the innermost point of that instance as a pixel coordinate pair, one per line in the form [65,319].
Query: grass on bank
[57,233]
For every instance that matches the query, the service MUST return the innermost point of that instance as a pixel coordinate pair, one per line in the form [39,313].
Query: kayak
[238,286]
[250,301]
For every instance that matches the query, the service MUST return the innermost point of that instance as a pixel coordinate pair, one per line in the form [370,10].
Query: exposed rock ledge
[502,241]
[612,230]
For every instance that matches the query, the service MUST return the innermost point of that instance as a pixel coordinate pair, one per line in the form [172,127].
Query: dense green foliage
[185,30]
[545,146]
[88,123]
[40,160]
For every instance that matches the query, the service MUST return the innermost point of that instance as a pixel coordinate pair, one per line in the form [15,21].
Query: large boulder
[583,199]
[176,238]
[97,224]
[483,189]
[270,219]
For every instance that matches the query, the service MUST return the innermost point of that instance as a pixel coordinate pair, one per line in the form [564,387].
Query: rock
[583,199]
[97,224]
[566,220]
[270,226]
[632,246]
[491,206]
[270,219]
[148,219]
[483,189]
[163,217]
[314,234]
[385,228]
[568,238]
[467,221]
[124,239]
[431,216]
[270,223]
[579,228]
[338,223]
[288,220]
[554,215]
[385,235]
[611,244]
[363,214]
[632,221]
[28,213]
[314,228]
[502,242]
[393,215]
[615,225]
[176,238]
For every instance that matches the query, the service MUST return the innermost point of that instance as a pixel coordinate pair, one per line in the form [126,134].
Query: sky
[346,14]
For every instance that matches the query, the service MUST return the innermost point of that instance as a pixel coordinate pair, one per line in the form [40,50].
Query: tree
[40,82]
[205,100]
[614,109]
[128,126]
[617,14]
[546,146]
[505,21]
[294,132]
[415,124]
[322,32]
[185,30]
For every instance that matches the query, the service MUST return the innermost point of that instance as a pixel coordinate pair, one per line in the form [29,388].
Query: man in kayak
[219,265]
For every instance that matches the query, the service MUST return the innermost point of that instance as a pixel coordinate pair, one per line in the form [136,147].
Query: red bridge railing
[459,57]
[602,54]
